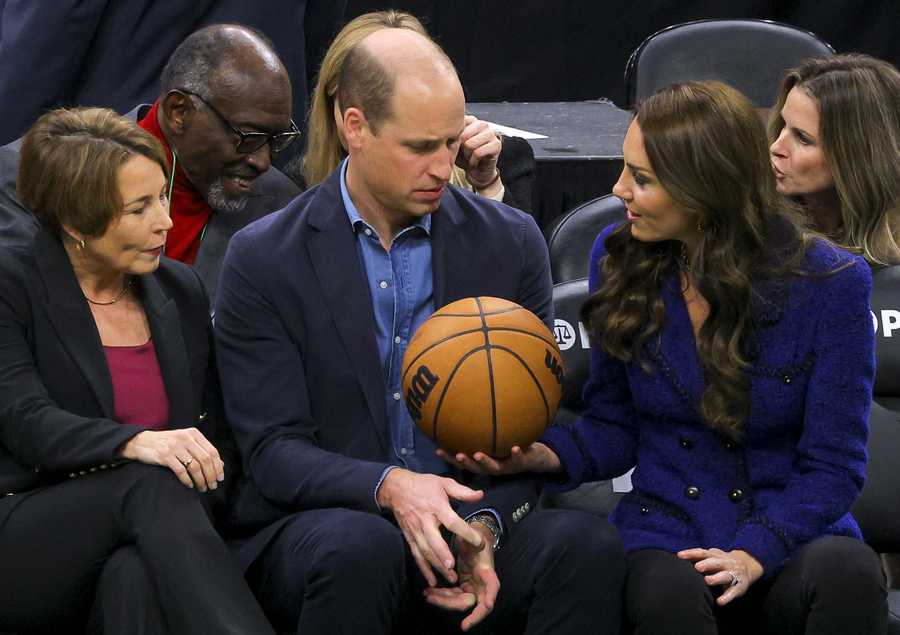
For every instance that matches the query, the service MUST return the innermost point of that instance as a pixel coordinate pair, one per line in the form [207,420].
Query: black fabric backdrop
[563,50]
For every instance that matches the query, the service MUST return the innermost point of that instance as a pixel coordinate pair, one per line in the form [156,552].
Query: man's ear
[355,128]
[177,109]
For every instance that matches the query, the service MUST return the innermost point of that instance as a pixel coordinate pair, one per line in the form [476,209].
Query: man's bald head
[223,60]
[372,69]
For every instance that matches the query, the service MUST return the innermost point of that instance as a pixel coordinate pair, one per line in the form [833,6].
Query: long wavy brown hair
[708,149]
[858,98]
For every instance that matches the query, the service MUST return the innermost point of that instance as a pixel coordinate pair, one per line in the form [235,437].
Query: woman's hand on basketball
[185,451]
[536,457]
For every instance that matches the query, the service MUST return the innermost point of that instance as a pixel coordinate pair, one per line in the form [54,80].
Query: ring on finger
[735,580]
[187,462]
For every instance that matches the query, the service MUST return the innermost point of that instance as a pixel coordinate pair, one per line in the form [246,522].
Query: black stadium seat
[571,237]
[750,55]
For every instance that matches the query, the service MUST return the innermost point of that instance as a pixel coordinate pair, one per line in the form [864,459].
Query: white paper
[622,483]
[514,132]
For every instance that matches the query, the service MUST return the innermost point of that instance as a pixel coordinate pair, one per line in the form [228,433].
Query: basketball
[482,374]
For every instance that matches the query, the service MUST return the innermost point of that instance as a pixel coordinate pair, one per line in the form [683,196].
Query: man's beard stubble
[220,201]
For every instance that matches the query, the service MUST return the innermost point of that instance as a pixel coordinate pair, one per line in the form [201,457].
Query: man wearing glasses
[223,113]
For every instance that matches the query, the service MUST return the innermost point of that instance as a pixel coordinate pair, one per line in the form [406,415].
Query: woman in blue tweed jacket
[732,364]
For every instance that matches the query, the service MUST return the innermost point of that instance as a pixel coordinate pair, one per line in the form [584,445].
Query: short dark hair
[199,57]
[69,166]
[365,83]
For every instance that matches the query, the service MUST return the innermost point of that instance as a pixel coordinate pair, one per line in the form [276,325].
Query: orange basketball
[482,374]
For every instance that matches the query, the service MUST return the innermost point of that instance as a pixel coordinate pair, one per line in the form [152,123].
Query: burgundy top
[139,395]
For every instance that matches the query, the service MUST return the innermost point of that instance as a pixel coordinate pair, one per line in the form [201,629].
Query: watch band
[491,523]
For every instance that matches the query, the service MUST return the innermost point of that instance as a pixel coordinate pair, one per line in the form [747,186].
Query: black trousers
[338,571]
[129,550]
[831,586]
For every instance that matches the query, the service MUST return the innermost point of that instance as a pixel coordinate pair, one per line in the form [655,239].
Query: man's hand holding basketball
[421,504]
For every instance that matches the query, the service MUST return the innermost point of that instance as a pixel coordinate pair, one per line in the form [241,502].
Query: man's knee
[586,539]
[360,545]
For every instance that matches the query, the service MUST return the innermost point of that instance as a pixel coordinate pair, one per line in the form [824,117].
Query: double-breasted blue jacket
[801,462]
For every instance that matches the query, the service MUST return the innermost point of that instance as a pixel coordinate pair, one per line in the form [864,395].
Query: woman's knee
[839,563]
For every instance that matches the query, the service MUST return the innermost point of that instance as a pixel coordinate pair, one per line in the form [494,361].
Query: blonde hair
[324,149]
[69,164]
[858,98]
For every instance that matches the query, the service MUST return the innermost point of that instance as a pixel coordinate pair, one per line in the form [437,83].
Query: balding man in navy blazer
[340,519]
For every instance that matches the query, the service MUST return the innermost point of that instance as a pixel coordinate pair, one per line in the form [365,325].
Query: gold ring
[187,462]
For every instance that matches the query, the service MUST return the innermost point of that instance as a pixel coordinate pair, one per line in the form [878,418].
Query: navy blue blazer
[298,357]
[801,464]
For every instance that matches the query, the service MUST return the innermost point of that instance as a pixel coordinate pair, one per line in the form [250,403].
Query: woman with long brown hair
[732,364]
[835,133]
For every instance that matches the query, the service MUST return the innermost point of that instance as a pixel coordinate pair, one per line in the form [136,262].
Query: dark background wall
[560,50]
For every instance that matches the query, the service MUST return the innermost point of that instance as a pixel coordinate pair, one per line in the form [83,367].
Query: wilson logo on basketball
[553,364]
[420,387]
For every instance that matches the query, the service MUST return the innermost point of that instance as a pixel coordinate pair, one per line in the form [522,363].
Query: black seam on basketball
[533,377]
[437,408]
[490,362]
[497,329]
[497,312]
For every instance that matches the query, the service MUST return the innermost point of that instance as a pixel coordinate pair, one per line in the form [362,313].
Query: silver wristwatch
[491,523]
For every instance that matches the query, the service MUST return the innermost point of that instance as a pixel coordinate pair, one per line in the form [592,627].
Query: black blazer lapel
[71,317]
[343,282]
[165,328]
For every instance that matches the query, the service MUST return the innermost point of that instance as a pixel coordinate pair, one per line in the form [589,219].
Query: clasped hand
[479,151]
[421,505]
[193,459]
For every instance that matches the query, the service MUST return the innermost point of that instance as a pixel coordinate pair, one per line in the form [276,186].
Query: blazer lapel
[451,255]
[675,350]
[71,317]
[174,364]
[343,282]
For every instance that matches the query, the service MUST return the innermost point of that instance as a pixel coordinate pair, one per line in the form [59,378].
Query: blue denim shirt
[401,287]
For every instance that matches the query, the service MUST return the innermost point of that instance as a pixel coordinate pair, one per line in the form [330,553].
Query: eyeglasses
[250,142]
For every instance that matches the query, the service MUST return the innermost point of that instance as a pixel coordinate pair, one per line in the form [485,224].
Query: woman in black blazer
[105,376]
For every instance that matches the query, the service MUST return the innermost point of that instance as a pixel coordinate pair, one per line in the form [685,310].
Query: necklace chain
[125,288]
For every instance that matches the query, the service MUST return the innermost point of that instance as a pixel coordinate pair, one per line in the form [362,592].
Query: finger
[720,578]
[711,565]
[483,608]
[693,554]
[210,449]
[449,519]
[442,558]
[485,147]
[491,588]
[732,593]
[205,463]
[421,562]
[450,459]
[490,465]
[469,463]
[194,467]
[179,470]
[460,602]
[461,492]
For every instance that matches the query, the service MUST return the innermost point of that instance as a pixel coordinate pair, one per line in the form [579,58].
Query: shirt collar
[353,214]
